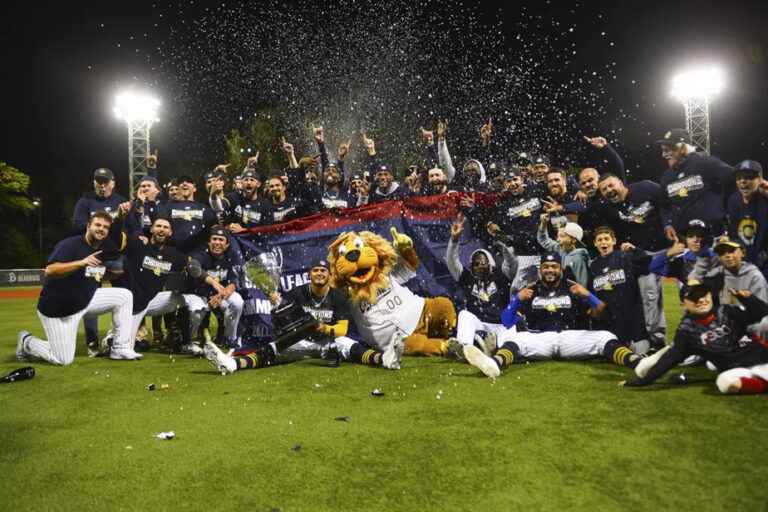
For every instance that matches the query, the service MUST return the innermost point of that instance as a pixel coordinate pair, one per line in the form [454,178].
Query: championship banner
[427,220]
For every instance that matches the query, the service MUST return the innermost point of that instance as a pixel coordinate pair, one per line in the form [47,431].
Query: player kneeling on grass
[331,309]
[557,313]
[718,335]
[216,287]
[72,290]
[486,290]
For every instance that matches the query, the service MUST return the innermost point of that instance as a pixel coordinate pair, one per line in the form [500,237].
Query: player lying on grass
[557,313]
[330,308]
[718,335]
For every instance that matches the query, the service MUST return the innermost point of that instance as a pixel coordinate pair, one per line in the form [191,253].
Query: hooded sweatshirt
[486,296]
[577,259]
[748,277]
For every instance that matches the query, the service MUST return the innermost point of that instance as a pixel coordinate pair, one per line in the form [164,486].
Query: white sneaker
[482,362]
[191,349]
[391,357]
[488,343]
[646,363]
[21,350]
[218,359]
[124,353]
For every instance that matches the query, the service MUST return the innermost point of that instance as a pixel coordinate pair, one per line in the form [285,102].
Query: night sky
[211,65]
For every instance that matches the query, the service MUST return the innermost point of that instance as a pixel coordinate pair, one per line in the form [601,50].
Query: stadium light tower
[694,89]
[139,111]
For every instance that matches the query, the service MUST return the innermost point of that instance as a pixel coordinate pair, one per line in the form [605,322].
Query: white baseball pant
[61,333]
[575,344]
[232,307]
[729,377]
[305,349]
[162,303]
[468,324]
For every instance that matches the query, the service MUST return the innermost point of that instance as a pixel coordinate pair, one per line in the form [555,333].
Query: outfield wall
[21,277]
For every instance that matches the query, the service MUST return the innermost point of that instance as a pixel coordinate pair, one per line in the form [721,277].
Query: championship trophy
[290,323]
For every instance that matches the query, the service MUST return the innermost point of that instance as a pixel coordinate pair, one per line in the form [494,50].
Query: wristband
[593,301]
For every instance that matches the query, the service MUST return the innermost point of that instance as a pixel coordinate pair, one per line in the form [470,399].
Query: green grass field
[545,436]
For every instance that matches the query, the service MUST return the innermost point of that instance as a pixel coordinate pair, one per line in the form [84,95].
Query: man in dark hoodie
[387,188]
[486,291]
[695,185]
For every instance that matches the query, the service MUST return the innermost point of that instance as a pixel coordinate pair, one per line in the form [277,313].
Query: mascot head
[361,262]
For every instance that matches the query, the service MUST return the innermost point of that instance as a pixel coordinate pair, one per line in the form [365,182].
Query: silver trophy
[289,320]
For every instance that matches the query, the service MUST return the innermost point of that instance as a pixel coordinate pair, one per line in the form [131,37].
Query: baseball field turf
[545,436]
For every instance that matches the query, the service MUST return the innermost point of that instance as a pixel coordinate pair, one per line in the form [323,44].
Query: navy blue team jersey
[221,269]
[486,298]
[555,309]
[190,222]
[68,295]
[147,269]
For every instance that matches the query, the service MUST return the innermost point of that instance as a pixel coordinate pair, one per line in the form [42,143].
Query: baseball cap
[320,262]
[725,244]
[511,173]
[574,230]
[219,231]
[748,167]
[523,159]
[551,257]
[541,159]
[694,290]
[356,176]
[185,179]
[696,226]
[103,174]
[250,173]
[384,168]
[675,136]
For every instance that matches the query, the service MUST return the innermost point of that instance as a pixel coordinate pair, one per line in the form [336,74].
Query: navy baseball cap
[749,168]
[696,226]
[321,262]
[103,174]
[523,159]
[694,290]
[675,136]
[541,159]
[551,257]
[185,179]
[384,168]
[250,173]
[356,176]
[219,231]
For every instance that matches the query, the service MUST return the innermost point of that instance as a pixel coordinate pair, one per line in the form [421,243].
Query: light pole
[38,204]
[695,88]
[139,111]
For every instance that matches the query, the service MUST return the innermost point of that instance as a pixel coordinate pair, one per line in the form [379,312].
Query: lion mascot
[373,272]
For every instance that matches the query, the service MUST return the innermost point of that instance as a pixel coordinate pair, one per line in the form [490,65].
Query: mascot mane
[387,257]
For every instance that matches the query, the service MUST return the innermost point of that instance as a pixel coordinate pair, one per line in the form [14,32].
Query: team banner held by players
[427,220]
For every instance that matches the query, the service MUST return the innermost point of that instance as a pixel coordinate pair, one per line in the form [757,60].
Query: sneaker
[218,359]
[455,350]
[482,362]
[127,354]
[103,348]
[488,344]
[21,348]
[646,363]
[93,349]
[192,349]
[391,357]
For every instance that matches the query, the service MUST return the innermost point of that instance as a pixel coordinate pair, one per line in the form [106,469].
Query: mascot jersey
[396,308]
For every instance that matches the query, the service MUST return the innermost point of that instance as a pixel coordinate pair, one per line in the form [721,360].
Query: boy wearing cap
[557,313]
[748,212]
[678,261]
[216,288]
[728,271]
[568,237]
[695,185]
[718,335]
